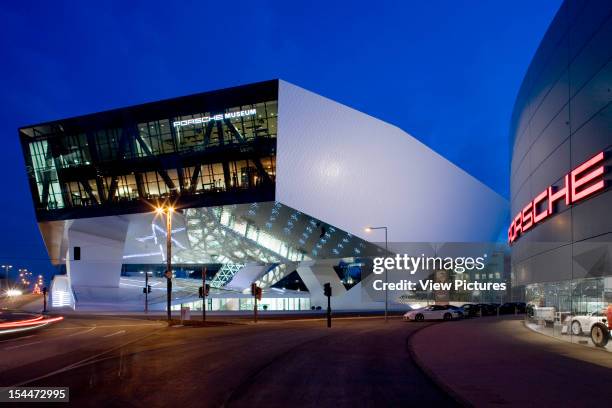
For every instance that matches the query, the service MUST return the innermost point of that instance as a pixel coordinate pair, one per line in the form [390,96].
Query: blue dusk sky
[447,72]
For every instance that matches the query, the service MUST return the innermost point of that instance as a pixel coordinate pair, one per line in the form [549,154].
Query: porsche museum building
[271,183]
[561,200]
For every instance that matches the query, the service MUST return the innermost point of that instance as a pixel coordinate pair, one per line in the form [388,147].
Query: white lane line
[109,325]
[114,334]
[80,363]
[83,332]
[18,338]
[23,345]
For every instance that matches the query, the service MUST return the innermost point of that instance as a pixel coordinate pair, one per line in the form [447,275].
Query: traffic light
[147,289]
[256,291]
[327,289]
[207,289]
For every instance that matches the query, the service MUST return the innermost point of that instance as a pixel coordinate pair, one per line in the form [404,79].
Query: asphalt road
[60,346]
[358,362]
[18,302]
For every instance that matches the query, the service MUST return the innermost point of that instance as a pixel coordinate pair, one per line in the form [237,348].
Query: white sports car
[433,312]
[584,323]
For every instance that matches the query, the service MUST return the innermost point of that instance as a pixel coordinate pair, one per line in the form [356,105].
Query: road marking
[82,362]
[83,332]
[19,338]
[107,326]
[23,345]
[113,334]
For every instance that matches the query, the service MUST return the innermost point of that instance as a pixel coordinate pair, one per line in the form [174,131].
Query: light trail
[28,324]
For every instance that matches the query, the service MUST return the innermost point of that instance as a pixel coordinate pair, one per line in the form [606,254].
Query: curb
[431,374]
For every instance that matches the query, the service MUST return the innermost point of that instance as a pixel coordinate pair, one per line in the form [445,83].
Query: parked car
[530,310]
[458,309]
[471,310]
[512,308]
[582,324]
[488,309]
[433,312]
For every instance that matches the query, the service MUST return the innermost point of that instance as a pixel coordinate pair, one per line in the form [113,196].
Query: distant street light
[6,274]
[168,210]
[23,274]
[370,229]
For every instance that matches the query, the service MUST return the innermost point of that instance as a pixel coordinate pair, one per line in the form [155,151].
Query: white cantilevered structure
[335,171]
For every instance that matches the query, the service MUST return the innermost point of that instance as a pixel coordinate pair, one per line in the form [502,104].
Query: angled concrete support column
[101,242]
[247,275]
[315,274]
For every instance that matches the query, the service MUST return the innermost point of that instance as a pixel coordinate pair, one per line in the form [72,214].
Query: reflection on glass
[571,310]
[88,169]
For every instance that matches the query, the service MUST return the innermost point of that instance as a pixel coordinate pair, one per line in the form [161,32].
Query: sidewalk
[498,362]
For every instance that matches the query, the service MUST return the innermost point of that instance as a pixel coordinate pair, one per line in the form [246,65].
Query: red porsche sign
[582,182]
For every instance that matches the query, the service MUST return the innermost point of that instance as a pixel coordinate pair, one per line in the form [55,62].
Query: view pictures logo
[219,116]
[432,263]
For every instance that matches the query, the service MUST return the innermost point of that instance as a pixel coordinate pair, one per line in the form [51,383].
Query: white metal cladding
[352,170]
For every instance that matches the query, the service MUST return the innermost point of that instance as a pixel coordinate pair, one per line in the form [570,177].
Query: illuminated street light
[6,273]
[168,210]
[370,229]
[23,273]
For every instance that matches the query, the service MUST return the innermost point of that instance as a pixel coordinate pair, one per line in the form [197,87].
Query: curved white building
[270,180]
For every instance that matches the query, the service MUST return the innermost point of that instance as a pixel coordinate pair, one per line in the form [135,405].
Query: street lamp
[370,229]
[23,273]
[168,210]
[6,273]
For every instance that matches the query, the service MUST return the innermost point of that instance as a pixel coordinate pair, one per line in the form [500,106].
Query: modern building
[561,201]
[272,184]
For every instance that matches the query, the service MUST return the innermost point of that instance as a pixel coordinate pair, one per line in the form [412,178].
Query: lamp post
[370,229]
[146,292]
[6,273]
[168,210]
[23,276]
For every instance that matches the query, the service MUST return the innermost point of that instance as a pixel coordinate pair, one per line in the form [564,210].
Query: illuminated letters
[555,196]
[579,184]
[536,202]
[527,217]
[219,116]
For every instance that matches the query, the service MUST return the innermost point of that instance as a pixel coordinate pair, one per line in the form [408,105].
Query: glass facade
[562,117]
[118,160]
[571,310]
[246,304]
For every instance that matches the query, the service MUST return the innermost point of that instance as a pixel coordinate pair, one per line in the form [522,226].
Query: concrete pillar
[101,241]
[315,274]
[246,275]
